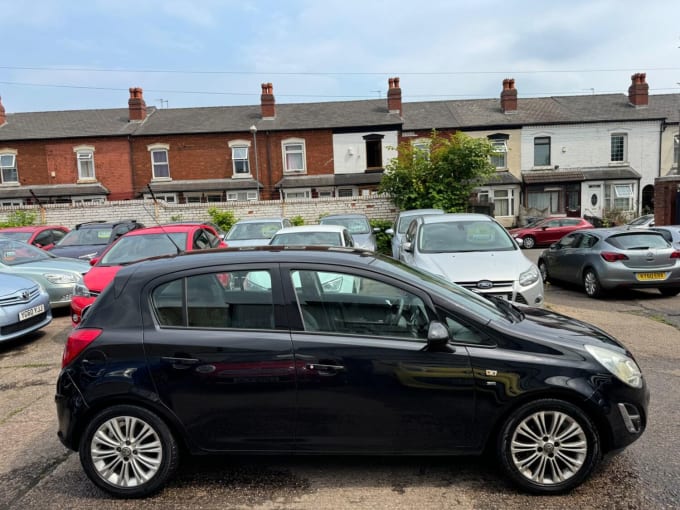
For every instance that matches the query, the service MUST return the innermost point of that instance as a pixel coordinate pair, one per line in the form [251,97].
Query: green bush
[297,221]
[384,240]
[223,219]
[19,219]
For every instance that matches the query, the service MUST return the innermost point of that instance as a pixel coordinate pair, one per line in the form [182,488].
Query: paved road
[36,472]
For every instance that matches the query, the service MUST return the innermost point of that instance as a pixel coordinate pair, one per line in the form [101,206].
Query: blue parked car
[24,307]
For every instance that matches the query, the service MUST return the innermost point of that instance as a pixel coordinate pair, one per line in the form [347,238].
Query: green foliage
[223,219]
[443,177]
[384,241]
[614,217]
[176,218]
[297,221]
[19,219]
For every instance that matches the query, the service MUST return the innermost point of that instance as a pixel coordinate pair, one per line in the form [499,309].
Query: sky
[86,54]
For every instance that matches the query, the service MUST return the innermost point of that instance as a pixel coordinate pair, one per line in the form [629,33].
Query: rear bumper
[70,404]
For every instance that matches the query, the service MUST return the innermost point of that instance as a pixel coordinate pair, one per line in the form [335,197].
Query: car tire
[128,451]
[548,446]
[669,291]
[543,269]
[591,284]
[529,242]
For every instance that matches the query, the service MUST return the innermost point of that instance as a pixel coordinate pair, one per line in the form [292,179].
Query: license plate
[646,277]
[31,312]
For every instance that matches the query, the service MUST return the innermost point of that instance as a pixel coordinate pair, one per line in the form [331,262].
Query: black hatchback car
[88,240]
[334,351]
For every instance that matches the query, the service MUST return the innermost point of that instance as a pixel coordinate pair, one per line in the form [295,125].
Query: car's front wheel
[529,242]
[128,451]
[543,268]
[549,446]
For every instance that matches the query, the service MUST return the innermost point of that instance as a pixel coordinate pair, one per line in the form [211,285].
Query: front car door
[221,360]
[366,379]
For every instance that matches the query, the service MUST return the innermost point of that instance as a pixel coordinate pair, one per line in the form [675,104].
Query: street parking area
[36,471]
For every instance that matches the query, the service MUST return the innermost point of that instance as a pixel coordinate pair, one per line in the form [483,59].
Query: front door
[593,199]
[366,379]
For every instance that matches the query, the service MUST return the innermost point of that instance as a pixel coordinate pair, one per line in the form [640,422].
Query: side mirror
[389,231]
[376,230]
[408,247]
[437,334]
[94,260]
[520,241]
[555,246]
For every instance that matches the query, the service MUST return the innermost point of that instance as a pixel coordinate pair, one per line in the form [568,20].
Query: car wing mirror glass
[520,241]
[408,246]
[389,232]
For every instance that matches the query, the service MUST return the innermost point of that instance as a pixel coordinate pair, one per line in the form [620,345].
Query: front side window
[239,157]
[294,156]
[542,151]
[160,164]
[8,168]
[85,164]
[222,300]
[618,148]
[346,304]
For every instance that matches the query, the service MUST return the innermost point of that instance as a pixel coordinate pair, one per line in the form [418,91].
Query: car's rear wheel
[543,268]
[669,291]
[549,446]
[128,451]
[591,284]
[529,242]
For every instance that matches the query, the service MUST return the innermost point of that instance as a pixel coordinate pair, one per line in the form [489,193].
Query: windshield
[307,239]
[264,230]
[463,236]
[133,248]
[640,221]
[13,253]
[86,236]
[17,236]
[354,225]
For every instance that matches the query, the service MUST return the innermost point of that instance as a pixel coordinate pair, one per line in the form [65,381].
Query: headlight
[529,276]
[623,367]
[58,278]
[81,290]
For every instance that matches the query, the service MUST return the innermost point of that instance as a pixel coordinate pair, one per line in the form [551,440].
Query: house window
[548,200]
[296,194]
[346,192]
[85,164]
[170,198]
[325,192]
[374,151]
[293,156]
[88,200]
[239,157]
[483,197]
[499,156]
[11,202]
[503,202]
[8,168]
[159,163]
[421,147]
[241,196]
[619,197]
[618,148]
[542,151]
[676,150]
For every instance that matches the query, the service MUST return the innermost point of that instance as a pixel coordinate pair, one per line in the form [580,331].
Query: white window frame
[305,192]
[88,199]
[236,145]
[510,199]
[287,148]
[624,149]
[159,148]
[499,158]
[621,192]
[548,145]
[13,167]
[233,196]
[423,145]
[170,198]
[340,191]
[325,192]
[84,159]
[11,202]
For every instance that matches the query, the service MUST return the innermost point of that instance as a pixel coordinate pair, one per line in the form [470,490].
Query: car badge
[25,294]
[484,284]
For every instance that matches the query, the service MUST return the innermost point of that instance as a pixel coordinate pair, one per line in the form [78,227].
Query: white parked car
[401,223]
[313,235]
[474,251]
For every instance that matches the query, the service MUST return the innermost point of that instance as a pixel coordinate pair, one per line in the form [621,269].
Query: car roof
[445,218]
[334,216]
[608,231]
[312,228]
[413,212]
[260,220]
[162,229]
[31,228]
[95,224]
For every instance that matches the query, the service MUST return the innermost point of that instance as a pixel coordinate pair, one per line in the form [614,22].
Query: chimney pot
[267,101]
[509,96]
[136,104]
[638,92]
[394,96]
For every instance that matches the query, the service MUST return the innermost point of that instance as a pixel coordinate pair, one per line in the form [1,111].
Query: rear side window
[216,300]
[639,241]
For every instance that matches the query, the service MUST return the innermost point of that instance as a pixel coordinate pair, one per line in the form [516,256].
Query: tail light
[675,254]
[611,256]
[76,342]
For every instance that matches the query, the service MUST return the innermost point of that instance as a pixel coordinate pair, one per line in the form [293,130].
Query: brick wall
[375,207]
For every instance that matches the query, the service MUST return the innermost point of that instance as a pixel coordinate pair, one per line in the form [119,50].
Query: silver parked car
[474,251]
[57,275]
[603,259]
[670,233]
[254,232]
[313,235]
[358,225]
[401,223]
[24,307]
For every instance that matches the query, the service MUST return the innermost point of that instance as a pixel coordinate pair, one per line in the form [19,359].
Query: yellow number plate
[644,277]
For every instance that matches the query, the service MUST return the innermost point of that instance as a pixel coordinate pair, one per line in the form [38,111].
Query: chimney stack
[136,105]
[509,96]
[638,92]
[3,118]
[267,102]
[394,96]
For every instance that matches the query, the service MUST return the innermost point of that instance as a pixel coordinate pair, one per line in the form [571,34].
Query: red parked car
[548,231]
[42,236]
[137,245]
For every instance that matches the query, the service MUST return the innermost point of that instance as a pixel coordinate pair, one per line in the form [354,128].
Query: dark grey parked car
[359,227]
[606,259]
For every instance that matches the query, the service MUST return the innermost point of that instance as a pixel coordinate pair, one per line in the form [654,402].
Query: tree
[442,176]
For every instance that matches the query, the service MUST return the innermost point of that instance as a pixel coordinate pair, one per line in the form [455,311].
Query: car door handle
[180,362]
[328,369]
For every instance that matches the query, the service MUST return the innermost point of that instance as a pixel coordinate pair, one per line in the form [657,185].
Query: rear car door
[220,359]
[366,379]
